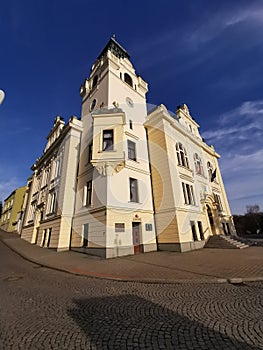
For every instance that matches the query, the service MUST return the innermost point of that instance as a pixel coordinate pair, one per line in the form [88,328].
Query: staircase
[224,242]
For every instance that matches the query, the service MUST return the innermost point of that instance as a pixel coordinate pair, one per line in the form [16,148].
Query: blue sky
[207,54]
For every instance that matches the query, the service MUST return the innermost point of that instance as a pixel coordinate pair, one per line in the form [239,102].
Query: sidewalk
[205,265]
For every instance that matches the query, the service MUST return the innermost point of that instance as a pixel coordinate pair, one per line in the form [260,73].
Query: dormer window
[128,79]
[95,81]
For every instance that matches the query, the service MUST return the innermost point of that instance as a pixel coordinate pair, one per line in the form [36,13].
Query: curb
[103,276]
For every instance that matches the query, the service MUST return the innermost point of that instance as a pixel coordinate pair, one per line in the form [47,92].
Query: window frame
[198,165]
[182,156]
[133,186]
[107,142]
[188,191]
[132,150]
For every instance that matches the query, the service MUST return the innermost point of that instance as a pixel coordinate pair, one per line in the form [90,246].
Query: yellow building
[190,201]
[50,196]
[121,180]
[11,209]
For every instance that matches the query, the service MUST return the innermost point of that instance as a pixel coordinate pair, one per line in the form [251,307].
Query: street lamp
[2,96]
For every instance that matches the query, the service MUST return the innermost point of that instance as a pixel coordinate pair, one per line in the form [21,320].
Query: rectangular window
[52,203]
[188,194]
[131,150]
[130,123]
[107,144]
[88,193]
[119,227]
[193,231]
[85,233]
[200,228]
[134,190]
[90,153]
[148,227]
[218,202]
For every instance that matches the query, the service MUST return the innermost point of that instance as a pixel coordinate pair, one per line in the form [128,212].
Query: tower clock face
[129,102]
[93,104]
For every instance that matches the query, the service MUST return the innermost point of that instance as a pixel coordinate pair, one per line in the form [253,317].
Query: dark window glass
[131,150]
[89,192]
[134,190]
[107,140]
[128,79]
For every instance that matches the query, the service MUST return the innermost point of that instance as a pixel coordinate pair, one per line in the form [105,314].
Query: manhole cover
[13,278]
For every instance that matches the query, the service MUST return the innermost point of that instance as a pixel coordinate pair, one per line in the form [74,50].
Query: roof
[115,48]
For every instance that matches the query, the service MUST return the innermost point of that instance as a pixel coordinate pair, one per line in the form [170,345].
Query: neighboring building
[50,197]
[127,180]
[12,207]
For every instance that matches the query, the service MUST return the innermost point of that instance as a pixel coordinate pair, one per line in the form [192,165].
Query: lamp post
[2,96]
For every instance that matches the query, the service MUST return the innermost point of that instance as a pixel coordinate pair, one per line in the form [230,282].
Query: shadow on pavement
[131,322]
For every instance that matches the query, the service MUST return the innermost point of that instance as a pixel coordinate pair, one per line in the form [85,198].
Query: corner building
[114,207]
[142,180]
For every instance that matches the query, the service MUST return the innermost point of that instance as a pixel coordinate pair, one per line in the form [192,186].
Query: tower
[114,210]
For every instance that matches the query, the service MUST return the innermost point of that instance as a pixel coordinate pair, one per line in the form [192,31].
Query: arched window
[95,81]
[210,171]
[128,79]
[198,164]
[182,155]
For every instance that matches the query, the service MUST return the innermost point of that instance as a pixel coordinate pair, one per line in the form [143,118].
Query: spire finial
[113,36]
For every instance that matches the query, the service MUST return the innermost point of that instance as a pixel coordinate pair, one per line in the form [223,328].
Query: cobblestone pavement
[45,309]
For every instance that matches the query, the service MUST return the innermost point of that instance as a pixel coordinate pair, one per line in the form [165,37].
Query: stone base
[181,247]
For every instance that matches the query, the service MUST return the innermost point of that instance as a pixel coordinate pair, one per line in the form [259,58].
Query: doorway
[136,229]
[211,219]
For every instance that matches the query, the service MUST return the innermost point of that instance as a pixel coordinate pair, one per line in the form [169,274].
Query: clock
[129,102]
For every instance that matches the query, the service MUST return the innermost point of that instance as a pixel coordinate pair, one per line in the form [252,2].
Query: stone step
[224,242]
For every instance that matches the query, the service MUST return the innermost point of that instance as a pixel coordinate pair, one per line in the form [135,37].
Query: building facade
[129,181]
[50,198]
[11,210]
[189,197]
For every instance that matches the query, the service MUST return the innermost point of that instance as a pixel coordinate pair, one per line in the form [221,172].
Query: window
[201,231]
[90,153]
[188,194]
[131,150]
[119,227]
[210,170]
[85,233]
[198,164]
[181,155]
[128,79]
[148,227]
[87,193]
[107,140]
[193,231]
[134,190]
[218,202]
[52,203]
[130,123]
[95,81]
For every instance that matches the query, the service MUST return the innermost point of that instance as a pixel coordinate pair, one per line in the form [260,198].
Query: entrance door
[136,236]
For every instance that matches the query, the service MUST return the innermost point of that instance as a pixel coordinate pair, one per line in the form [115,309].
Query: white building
[128,181]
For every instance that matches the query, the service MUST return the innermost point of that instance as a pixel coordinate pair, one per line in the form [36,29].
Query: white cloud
[238,137]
